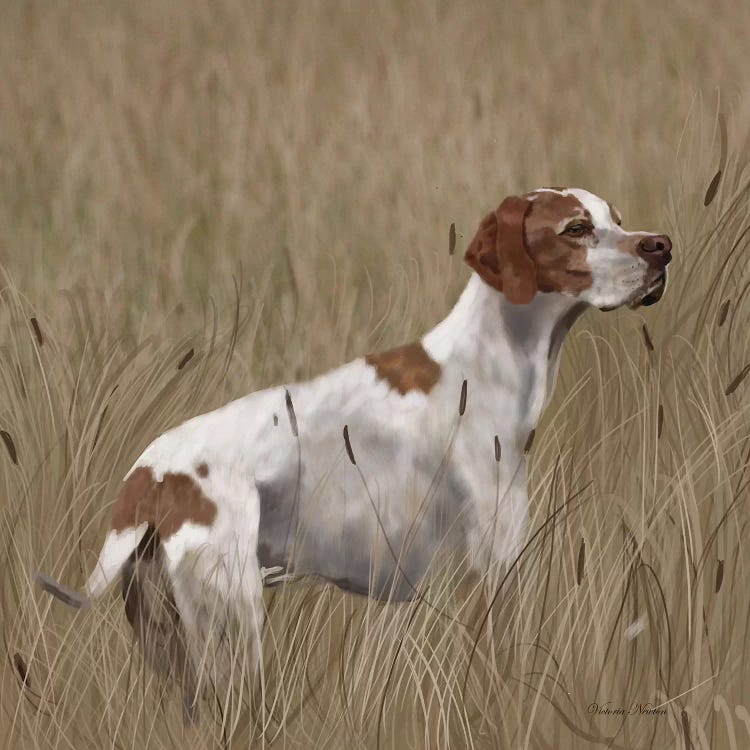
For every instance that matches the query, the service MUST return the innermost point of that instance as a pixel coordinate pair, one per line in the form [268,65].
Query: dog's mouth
[650,296]
[654,292]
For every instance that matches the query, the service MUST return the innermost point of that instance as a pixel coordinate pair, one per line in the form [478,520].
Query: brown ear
[498,251]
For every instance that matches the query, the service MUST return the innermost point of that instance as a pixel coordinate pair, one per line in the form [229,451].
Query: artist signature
[684,721]
[610,708]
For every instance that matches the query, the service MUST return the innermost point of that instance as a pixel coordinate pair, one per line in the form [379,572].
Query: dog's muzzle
[656,250]
[656,291]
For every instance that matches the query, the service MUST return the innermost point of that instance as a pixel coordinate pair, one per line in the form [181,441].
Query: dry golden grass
[271,187]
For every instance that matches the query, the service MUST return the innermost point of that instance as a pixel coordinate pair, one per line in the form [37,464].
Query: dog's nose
[656,250]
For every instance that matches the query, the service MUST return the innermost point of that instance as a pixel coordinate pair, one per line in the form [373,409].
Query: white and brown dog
[267,482]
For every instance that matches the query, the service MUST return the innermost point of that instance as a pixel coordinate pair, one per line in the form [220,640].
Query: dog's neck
[510,351]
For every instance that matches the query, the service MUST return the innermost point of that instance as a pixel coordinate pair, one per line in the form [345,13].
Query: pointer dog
[266,487]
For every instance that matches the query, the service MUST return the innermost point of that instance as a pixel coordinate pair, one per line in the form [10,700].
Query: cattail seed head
[290,412]
[647,338]
[10,446]
[462,400]
[37,331]
[347,443]
[581,561]
[737,380]
[723,311]
[185,359]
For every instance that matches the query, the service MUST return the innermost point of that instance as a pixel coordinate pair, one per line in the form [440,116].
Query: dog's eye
[578,229]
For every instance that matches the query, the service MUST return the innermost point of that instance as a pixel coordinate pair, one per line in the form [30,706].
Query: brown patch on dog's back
[406,368]
[202,470]
[165,505]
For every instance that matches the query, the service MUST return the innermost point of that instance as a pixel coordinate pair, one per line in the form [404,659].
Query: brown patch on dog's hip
[165,505]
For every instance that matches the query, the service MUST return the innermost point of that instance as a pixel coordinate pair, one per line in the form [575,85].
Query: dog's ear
[498,251]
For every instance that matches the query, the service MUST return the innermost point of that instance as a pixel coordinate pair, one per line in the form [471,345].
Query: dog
[363,475]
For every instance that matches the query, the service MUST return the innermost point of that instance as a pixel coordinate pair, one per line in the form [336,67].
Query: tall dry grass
[270,188]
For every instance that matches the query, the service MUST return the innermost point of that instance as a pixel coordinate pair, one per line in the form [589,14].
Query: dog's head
[570,242]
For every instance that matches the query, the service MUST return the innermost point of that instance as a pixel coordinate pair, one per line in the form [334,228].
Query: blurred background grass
[270,187]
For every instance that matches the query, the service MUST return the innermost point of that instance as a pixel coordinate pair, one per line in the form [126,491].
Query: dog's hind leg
[217,589]
[232,613]
[159,624]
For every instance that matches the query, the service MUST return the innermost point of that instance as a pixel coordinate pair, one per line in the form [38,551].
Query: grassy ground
[270,187]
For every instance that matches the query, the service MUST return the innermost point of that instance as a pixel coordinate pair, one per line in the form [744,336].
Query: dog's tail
[122,541]
[133,553]
[68,596]
[138,560]
[116,551]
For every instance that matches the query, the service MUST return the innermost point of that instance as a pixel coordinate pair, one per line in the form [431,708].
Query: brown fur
[518,251]
[165,505]
[406,368]
[560,259]
[202,470]
[552,208]
[498,252]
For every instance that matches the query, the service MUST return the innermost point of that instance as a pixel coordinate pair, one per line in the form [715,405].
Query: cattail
[347,443]
[290,270]
[647,338]
[497,449]
[581,561]
[452,239]
[732,387]
[37,331]
[290,412]
[10,446]
[686,730]
[529,441]
[714,185]
[722,141]
[99,427]
[104,414]
[186,359]
[22,669]
[723,310]
[712,189]
[659,421]
[21,383]
[462,400]
[719,574]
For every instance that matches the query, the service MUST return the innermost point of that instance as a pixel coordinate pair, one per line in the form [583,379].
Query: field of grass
[200,199]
